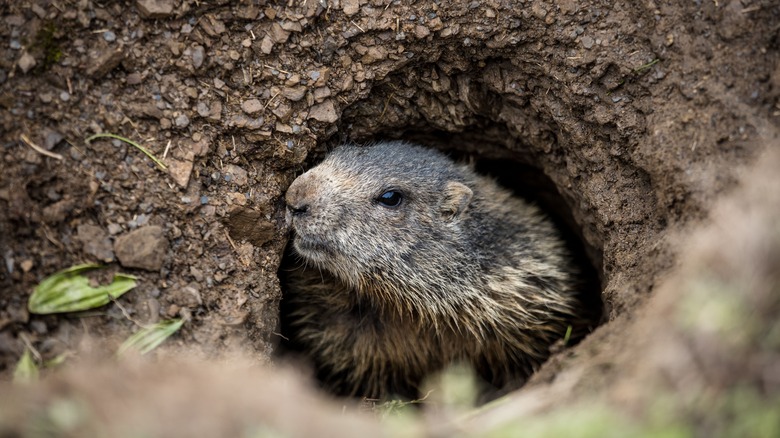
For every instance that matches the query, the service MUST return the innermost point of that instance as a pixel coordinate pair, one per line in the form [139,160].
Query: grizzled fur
[379,297]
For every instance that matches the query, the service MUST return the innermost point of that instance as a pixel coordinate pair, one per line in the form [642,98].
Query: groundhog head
[368,212]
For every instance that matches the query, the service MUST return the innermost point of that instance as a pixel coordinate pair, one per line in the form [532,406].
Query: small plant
[26,369]
[46,41]
[69,291]
[148,338]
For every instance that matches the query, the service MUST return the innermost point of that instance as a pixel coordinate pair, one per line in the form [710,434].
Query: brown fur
[380,297]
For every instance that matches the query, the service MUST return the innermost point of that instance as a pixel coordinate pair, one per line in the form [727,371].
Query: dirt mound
[625,121]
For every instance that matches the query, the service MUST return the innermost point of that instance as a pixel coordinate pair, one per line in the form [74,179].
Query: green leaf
[68,291]
[26,370]
[148,338]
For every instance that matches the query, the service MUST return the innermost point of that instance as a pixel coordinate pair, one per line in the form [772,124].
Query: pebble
[15,44]
[51,139]
[587,42]
[182,121]
[236,174]
[324,112]
[144,248]
[134,78]
[267,45]
[350,7]
[181,169]
[252,106]
[26,265]
[109,36]
[155,8]
[421,31]
[26,62]
[203,109]
[198,55]
[64,96]
[294,93]
[95,242]
[9,262]
[107,61]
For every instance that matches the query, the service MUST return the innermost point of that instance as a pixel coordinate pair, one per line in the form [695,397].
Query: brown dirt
[636,117]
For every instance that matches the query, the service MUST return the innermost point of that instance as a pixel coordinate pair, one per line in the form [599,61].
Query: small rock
[182,121]
[109,36]
[26,265]
[198,55]
[421,31]
[51,138]
[64,96]
[202,109]
[215,112]
[252,106]
[292,26]
[267,45]
[350,7]
[294,93]
[38,10]
[181,169]
[155,8]
[283,110]
[324,112]
[587,42]
[143,248]
[106,62]
[321,93]
[26,62]
[374,54]
[242,121]
[278,34]
[114,229]
[95,242]
[237,174]
[134,79]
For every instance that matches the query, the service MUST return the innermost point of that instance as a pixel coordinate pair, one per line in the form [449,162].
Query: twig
[26,140]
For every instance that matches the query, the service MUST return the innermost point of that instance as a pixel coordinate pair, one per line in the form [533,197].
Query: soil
[626,121]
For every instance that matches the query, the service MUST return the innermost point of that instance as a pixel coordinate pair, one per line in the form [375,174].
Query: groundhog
[404,262]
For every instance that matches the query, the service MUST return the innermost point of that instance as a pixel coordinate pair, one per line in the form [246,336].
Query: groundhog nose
[298,197]
[298,210]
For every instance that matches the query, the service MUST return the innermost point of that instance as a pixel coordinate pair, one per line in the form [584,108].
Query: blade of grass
[68,291]
[26,370]
[641,68]
[130,142]
[148,338]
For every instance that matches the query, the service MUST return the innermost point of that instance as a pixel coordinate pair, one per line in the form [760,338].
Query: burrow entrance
[515,170]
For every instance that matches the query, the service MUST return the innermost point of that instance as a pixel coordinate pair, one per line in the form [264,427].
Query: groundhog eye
[390,198]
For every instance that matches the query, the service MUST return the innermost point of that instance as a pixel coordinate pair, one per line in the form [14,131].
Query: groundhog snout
[300,196]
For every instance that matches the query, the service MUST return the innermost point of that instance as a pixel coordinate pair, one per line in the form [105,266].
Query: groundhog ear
[456,198]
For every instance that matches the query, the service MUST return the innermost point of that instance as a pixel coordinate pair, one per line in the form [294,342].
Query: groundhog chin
[314,250]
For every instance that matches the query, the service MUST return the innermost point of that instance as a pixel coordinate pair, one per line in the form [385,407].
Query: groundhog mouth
[312,248]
